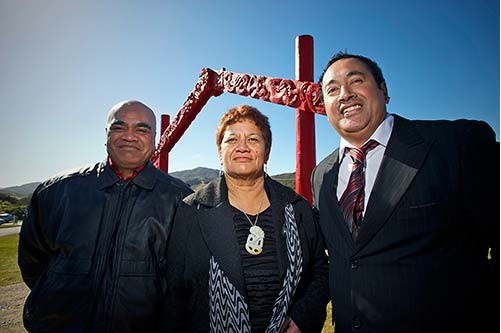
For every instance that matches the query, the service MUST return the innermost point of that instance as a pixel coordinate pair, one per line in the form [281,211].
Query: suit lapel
[404,155]
[335,224]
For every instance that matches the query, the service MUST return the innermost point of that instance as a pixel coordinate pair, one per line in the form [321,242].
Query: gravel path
[11,307]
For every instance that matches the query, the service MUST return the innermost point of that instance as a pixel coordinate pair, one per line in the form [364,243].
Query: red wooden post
[163,158]
[302,94]
[305,121]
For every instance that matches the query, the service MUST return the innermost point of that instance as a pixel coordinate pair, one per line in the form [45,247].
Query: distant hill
[196,176]
[200,175]
[13,199]
[287,179]
[192,177]
[20,191]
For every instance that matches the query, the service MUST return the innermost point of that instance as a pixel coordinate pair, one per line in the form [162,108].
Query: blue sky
[63,64]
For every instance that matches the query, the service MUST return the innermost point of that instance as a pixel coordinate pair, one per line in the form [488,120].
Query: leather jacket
[92,250]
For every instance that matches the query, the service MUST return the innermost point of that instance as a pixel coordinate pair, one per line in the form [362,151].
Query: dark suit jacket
[420,261]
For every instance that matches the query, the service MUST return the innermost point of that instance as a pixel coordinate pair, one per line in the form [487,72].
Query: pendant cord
[255,239]
[247,216]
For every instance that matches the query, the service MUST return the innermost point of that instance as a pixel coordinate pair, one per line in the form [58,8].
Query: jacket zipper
[110,221]
[126,210]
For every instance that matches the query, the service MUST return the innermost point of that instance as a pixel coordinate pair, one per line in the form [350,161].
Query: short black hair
[373,67]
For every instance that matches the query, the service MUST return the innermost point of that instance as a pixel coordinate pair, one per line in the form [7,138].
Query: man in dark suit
[409,211]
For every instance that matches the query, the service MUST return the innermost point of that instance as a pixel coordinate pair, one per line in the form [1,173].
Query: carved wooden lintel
[300,95]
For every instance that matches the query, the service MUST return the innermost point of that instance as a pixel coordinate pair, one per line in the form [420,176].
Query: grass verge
[9,270]
[328,328]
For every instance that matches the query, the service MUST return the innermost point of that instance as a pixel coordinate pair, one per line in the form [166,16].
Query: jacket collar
[219,233]
[146,178]
[216,192]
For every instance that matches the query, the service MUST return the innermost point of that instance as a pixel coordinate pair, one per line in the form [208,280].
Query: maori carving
[204,89]
[297,94]
[301,95]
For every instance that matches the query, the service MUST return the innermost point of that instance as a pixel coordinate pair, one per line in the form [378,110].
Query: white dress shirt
[372,160]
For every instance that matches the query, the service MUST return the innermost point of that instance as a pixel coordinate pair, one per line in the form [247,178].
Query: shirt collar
[120,175]
[145,178]
[381,135]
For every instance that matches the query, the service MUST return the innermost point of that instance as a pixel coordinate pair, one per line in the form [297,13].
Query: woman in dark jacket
[245,253]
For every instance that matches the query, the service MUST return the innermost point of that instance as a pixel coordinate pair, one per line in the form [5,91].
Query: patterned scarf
[228,310]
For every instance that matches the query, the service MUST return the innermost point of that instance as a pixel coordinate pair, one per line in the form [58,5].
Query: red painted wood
[305,121]
[163,158]
[302,94]
[204,89]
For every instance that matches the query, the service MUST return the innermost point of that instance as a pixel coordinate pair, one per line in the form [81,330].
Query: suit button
[354,264]
[356,323]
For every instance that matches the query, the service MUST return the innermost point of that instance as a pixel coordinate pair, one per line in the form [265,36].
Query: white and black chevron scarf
[228,310]
[293,274]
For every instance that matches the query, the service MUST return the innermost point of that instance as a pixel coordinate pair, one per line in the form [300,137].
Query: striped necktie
[352,200]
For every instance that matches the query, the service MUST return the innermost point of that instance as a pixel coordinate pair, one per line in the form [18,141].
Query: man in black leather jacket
[92,247]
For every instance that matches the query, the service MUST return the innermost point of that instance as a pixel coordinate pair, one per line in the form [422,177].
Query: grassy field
[328,328]
[9,271]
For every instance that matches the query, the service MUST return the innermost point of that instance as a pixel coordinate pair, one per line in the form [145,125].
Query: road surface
[9,231]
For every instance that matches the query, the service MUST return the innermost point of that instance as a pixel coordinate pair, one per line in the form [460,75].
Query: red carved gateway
[204,89]
[304,96]
[301,95]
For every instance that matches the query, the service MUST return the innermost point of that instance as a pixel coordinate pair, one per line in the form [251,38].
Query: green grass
[9,270]
[328,328]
